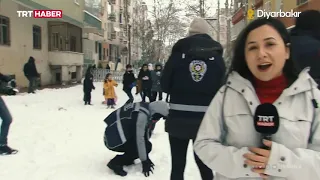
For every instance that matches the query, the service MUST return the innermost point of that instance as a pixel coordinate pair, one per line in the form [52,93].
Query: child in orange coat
[109,91]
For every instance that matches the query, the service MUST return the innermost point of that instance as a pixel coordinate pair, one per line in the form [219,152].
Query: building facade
[295,5]
[93,33]
[118,30]
[240,18]
[140,11]
[56,44]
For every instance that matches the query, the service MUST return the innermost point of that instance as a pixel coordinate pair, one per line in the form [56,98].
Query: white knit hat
[199,26]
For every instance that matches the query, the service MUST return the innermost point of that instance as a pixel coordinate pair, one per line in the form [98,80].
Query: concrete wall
[65,58]
[90,46]
[13,57]
[68,7]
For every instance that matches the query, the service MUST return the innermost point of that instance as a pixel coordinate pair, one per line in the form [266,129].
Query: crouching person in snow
[132,137]
[5,121]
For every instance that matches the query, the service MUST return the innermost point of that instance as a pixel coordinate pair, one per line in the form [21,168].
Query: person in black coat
[5,122]
[31,73]
[156,86]
[145,77]
[108,67]
[191,77]
[88,86]
[305,42]
[128,82]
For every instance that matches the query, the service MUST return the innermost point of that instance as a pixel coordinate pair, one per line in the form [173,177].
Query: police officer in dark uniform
[128,130]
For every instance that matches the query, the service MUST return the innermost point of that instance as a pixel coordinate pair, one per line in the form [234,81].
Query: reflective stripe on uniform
[190,108]
[145,111]
[1,122]
[120,129]
[137,107]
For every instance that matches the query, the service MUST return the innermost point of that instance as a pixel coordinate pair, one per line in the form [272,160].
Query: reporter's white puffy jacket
[295,152]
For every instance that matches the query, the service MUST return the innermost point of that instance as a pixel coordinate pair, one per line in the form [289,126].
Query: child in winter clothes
[109,91]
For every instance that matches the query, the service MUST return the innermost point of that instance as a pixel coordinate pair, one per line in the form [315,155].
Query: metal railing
[100,74]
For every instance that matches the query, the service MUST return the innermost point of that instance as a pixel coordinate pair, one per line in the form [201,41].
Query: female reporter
[262,72]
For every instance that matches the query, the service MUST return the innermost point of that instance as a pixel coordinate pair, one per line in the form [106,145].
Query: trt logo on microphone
[40,14]
[265,121]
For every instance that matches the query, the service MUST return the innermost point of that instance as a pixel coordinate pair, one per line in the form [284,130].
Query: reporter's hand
[258,158]
[147,167]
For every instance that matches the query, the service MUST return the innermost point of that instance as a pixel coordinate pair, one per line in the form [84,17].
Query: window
[96,46]
[73,43]
[299,2]
[120,18]
[55,40]
[36,30]
[4,30]
[73,75]
[58,77]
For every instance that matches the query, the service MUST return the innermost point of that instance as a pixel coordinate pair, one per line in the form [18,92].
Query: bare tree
[167,24]
[193,8]
[93,7]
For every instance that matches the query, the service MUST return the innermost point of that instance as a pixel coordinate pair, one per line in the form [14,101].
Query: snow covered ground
[61,139]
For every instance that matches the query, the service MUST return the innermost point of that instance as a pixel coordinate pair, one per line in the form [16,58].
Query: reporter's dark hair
[239,63]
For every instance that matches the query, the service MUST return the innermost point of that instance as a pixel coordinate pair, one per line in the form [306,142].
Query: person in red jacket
[5,121]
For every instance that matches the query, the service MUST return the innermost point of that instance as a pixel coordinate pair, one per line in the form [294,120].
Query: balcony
[65,58]
[113,35]
[112,17]
[92,23]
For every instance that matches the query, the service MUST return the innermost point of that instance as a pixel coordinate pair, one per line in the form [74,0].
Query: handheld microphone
[266,121]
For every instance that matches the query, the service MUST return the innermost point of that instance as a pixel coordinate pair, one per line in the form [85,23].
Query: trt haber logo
[265,121]
[41,13]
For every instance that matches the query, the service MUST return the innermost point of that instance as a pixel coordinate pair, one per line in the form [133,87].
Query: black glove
[147,167]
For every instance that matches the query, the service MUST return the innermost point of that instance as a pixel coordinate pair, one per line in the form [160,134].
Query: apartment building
[118,26]
[240,18]
[140,11]
[56,44]
[93,33]
[295,5]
